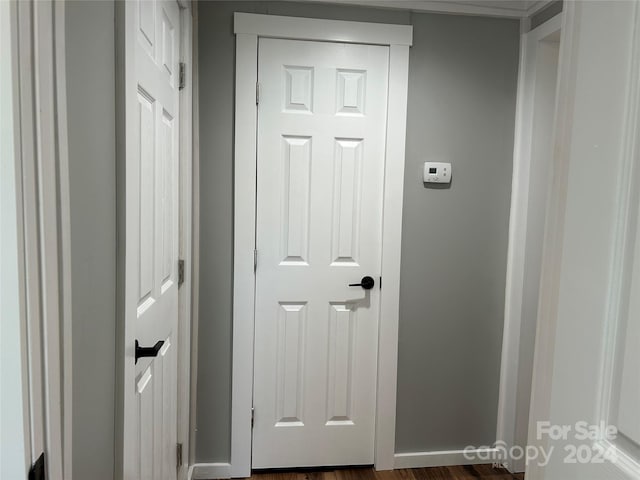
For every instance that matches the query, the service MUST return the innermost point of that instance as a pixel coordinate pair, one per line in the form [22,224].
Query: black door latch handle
[148,351]
[367,283]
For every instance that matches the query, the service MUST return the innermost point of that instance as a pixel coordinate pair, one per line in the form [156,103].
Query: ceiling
[492,8]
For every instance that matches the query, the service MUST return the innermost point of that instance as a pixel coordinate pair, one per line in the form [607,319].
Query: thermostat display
[437,172]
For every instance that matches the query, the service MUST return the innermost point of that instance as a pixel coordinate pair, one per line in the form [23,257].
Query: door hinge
[255,260]
[180,272]
[179,455]
[253,416]
[182,76]
[257,93]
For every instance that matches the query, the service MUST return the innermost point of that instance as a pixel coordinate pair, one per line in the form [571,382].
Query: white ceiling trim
[491,8]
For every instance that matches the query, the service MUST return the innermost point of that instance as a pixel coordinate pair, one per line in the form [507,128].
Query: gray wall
[462,90]
[91,128]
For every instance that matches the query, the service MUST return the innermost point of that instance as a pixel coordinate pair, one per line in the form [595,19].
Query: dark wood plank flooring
[467,472]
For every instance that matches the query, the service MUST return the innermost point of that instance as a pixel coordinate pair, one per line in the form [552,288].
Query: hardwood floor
[468,472]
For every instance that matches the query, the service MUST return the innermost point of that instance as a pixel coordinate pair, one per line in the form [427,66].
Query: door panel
[347,188]
[341,361]
[321,139]
[151,283]
[290,358]
[295,226]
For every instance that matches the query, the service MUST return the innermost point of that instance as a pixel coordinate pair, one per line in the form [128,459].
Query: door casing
[248,28]
[42,224]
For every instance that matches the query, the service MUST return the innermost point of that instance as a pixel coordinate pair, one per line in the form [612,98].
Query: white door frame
[42,201]
[509,410]
[248,28]
[124,71]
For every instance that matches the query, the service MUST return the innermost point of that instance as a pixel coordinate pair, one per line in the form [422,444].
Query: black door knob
[367,283]
[148,351]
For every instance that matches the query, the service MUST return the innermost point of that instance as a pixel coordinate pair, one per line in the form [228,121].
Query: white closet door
[321,143]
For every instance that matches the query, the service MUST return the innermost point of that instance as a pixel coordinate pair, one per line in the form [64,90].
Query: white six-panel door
[321,143]
[151,279]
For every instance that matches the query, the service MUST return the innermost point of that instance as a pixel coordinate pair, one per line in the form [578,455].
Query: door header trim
[294,28]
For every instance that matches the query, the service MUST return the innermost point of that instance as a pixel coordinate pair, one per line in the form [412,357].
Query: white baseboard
[209,471]
[445,458]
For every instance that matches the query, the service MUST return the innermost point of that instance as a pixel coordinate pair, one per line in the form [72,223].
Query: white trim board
[209,471]
[248,28]
[445,458]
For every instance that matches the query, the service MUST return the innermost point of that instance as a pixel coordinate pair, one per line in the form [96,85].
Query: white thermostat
[437,172]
